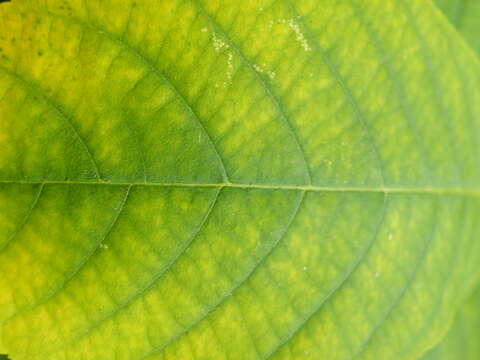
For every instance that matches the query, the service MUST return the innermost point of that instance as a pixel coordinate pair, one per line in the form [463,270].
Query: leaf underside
[255,179]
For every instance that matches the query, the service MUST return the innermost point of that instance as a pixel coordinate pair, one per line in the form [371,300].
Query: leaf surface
[200,179]
[461,341]
[464,15]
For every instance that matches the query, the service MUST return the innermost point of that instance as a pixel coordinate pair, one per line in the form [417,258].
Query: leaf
[464,15]
[461,341]
[245,180]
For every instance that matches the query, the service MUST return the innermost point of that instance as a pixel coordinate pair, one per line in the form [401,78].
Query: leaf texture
[464,15]
[201,179]
[461,341]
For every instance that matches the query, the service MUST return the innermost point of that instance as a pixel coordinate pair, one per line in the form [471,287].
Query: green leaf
[255,179]
[461,341]
[464,15]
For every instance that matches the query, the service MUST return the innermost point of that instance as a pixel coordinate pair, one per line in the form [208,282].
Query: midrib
[471,191]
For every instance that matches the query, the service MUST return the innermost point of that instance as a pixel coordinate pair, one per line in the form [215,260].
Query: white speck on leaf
[262,70]
[230,67]
[298,33]
[218,44]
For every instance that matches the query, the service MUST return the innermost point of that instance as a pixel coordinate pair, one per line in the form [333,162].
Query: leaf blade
[346,156]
